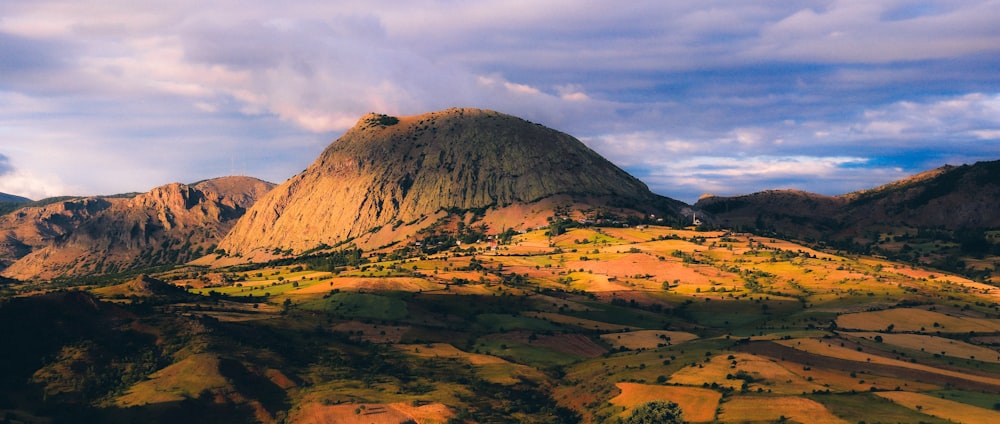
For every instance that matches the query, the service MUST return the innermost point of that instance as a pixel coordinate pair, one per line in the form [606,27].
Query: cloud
[880,32]
[5,167]
[19,183]
[826,156]
[123,96]
[689,178]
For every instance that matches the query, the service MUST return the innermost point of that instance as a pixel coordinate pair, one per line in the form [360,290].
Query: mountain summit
[386,171]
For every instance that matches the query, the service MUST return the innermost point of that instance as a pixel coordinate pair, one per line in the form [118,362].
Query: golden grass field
[935,344]
[824,348]
[943,408]
[576,322]
[182,380]
[594,318]
[916,320]
[632,264]
[768,374]
[740,409]
[698,404]
[368,413]
[647,339]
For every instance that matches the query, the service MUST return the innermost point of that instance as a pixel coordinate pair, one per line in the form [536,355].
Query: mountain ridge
[951,197]
[945,218]
[12,198]
[109,234]
[392,170]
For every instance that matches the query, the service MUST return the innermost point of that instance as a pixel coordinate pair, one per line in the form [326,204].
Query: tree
[657,411]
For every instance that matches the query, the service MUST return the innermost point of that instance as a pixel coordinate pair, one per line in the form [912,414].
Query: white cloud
[121,85]
[688,178]
[35,187]
[857,31]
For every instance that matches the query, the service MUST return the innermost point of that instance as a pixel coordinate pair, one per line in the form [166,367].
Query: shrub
[657,411]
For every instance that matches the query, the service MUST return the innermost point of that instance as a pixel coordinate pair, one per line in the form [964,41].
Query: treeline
[324,261]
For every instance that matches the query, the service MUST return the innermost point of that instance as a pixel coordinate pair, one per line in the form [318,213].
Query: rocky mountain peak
[170,223]
[389,169]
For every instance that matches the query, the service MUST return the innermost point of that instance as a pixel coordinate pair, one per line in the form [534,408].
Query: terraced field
[585,327]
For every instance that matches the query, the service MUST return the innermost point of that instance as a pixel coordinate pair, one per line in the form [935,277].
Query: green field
[515,335]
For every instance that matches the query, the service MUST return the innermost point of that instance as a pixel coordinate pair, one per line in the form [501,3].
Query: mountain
[10,202]
[169,224]
[10,198]
[950,208]
[388,178]
[950,197]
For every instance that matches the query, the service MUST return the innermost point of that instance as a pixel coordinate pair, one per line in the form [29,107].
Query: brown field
[625,265]
[298,276]
[572,344]
[372,332]
[647,339]
[395,413]
[369,284]
[443,276]
[943,408]
[490,368]
[594,282]
[795,247]
[466,290]
[770,409]
[750,364]
[578,322]
[229,316]
[839,380]
[768,374]
[824,348]
[912,319]
[556,302]
[828,377]
[631,235]
[934,344]
[444,350]
[699,405]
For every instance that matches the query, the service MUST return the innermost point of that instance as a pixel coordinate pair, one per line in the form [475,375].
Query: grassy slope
[563,336]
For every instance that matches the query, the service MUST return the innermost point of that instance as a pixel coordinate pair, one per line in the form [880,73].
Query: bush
[656,411]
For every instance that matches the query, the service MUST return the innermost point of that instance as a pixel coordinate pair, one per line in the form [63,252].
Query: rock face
[388,170]
[950,197]
[170,224]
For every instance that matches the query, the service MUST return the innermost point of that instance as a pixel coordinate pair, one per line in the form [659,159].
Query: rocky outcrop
[387,170]
[169,224]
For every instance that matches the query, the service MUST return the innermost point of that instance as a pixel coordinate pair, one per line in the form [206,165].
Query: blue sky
[692,97]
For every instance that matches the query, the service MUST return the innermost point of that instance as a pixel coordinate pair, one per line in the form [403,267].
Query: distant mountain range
[950,197]
[10,198]
[170,224]
[392,182]
[950,211]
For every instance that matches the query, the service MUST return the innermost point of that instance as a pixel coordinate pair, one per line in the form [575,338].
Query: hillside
[10,202]
[585,326]
[10,198]
[404,174]
[168,225]
[950,211]
[951,197]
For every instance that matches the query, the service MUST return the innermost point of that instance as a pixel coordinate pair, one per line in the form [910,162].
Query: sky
[692,97]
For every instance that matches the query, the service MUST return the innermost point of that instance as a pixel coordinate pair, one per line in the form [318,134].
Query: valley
[582,326]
